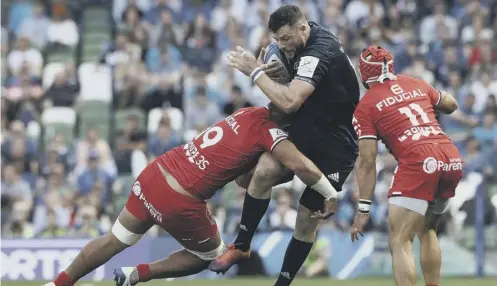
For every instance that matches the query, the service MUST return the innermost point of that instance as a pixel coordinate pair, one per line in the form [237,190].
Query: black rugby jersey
[328,111]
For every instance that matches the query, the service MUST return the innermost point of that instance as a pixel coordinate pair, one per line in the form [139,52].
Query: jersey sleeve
[271,134]
[363,124]
[312,67]
[435,95]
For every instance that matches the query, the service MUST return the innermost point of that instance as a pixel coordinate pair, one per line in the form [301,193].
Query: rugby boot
[229,258]
[126,276]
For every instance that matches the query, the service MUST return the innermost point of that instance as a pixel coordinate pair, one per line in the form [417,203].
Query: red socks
[143,272]
[63,280]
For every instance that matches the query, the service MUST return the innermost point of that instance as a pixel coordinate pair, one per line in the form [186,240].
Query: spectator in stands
[132,138]
[93,141]
[57,197]
[35,27]
[482,88]
[122,52]
[87,223]
[200,111]
[487,134]
[94,180]
[132,90]
[237,101]
[18,149]
[165,94]
[20,227]
[199,46]
[473,158]
[431,25]
[134,29]
[166,32]
[163,140]
[284,216]
[419,70]
[52,230]
[120,6]
[16,193]
[25,55]
[164,60]
[62,93]
[154,13]
[62,29]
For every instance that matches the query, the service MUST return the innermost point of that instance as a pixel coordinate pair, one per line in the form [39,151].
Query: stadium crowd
[92,90]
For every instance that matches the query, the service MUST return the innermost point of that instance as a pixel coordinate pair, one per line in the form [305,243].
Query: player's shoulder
[322,43]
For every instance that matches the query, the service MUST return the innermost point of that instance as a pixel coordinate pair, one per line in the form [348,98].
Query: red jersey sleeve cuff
[277,141]
[439,98]
[368,137]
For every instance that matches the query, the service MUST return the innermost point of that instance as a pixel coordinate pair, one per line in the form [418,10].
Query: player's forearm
[310,175]
[279,94]
[366,177]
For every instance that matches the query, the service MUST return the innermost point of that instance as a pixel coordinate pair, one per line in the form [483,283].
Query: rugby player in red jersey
[172,190]
[400,111]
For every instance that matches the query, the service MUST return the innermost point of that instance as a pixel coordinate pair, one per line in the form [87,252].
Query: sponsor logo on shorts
[334,177]
[431,165]
[156,215]
[286,275]
[137,189]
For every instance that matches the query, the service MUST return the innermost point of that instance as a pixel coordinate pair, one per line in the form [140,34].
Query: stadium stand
[92,90]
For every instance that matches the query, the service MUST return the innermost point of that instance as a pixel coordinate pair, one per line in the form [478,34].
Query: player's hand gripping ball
[283,68]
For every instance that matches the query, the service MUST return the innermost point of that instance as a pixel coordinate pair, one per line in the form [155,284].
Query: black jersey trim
[306,79]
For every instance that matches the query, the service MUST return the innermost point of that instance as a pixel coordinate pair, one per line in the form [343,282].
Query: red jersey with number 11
[401,113]
[223,152]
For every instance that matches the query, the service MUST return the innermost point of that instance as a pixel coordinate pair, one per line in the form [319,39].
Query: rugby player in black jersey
[321,99]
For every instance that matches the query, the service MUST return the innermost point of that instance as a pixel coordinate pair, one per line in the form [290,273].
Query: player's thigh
[195,228]
[403,223]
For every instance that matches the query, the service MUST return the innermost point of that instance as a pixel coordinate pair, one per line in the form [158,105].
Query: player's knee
[305,226]
[210,255]
[243,181]
[123,235]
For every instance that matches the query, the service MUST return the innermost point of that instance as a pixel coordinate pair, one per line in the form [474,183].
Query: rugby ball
[274,53]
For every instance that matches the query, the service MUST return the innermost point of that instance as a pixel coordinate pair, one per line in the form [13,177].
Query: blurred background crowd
[92,90]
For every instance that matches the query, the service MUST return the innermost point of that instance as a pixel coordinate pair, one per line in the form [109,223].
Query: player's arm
[366,169]
[447,103]
[364,125]
[287,98]
[288,154]
[442,101]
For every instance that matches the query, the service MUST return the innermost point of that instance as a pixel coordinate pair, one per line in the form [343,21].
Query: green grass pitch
[269,281]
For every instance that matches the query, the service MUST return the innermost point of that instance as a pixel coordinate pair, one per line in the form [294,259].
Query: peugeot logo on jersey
[137,189]
[277,133]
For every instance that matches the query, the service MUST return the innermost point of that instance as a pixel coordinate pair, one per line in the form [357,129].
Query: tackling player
[400,111]
[322,98]
[171,192]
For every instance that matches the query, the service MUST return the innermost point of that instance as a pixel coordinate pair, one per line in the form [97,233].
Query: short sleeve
[312,68]
[363,124]
[435,95]
[271,135]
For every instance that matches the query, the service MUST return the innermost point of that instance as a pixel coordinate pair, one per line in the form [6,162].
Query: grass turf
[269,281]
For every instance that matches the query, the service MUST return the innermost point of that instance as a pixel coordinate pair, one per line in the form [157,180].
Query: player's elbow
[290,107]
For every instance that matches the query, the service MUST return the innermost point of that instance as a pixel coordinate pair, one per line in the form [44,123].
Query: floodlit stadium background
[113,84]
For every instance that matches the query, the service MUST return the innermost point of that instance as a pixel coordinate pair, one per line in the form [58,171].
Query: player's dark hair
[285,15]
